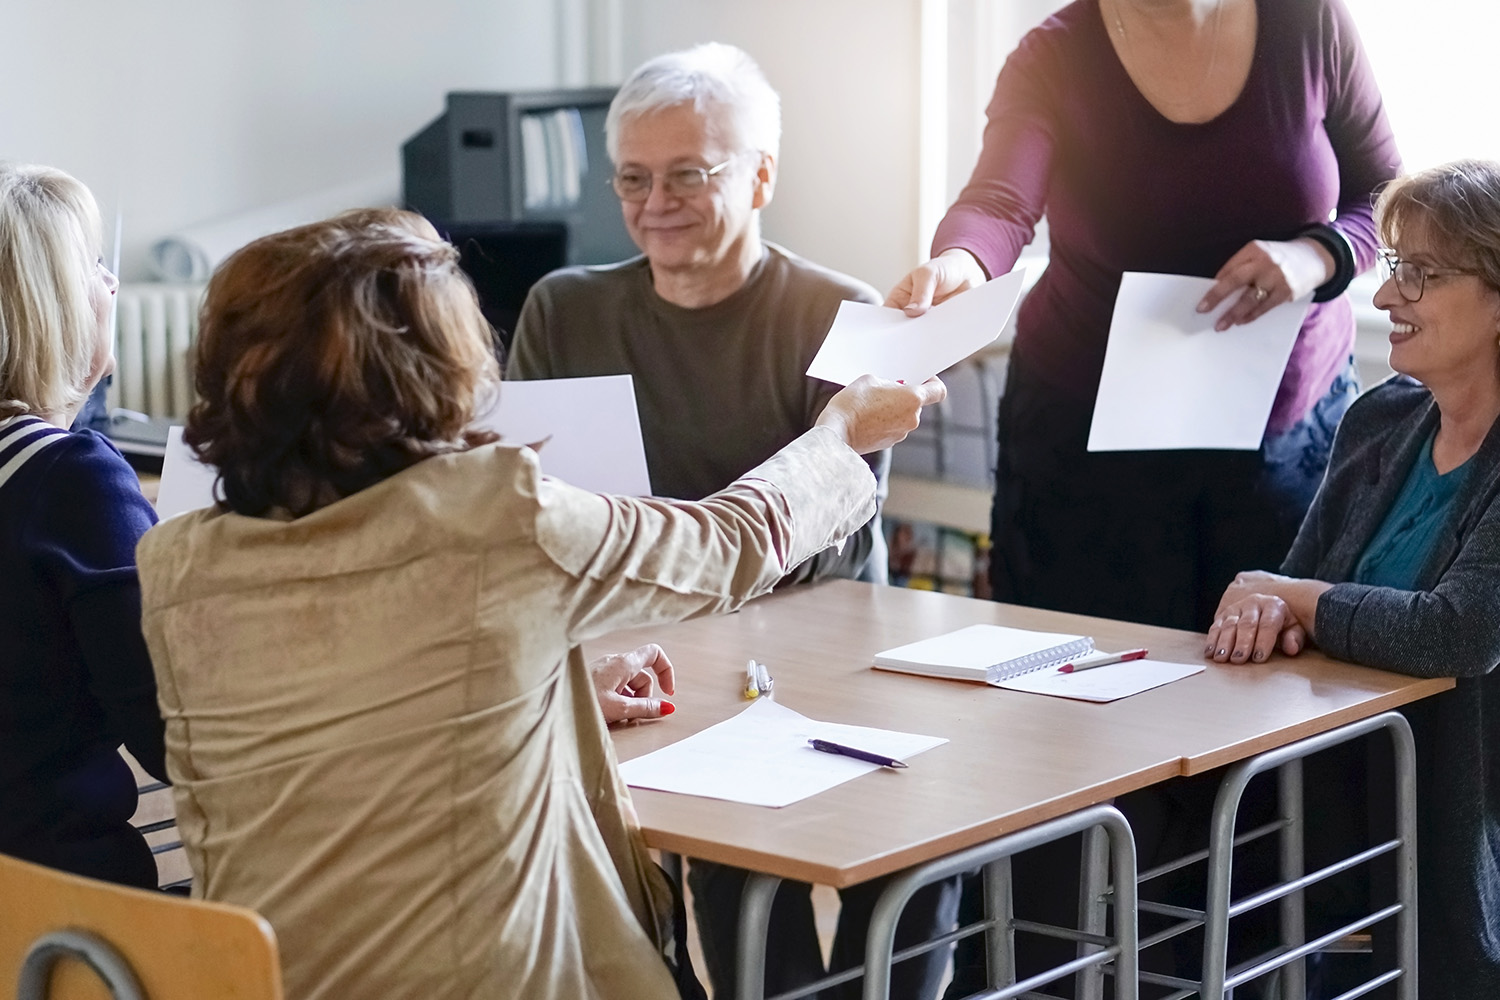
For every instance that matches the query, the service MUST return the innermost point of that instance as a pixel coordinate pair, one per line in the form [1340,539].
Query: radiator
[155,327]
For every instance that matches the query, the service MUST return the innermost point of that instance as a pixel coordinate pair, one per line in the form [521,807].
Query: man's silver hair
[711,77]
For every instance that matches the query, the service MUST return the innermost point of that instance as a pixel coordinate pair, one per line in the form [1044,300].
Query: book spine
[1039,660]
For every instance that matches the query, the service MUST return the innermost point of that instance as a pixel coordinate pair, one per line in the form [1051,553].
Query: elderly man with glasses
[718,326]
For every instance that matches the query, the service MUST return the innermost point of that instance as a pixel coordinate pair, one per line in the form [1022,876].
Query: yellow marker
[752,681]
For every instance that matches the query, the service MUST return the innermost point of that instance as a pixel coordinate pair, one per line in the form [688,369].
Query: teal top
[1395,554]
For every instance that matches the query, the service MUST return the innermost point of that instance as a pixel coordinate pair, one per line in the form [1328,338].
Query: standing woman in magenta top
[1224,138]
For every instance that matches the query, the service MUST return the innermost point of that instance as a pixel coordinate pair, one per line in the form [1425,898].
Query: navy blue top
[1396,554]
[75,678]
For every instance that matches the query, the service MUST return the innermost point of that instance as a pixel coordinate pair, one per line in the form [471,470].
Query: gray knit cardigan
[1449,626]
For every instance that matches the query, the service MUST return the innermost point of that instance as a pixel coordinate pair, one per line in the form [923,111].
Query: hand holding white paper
[1171,381]
[887,343]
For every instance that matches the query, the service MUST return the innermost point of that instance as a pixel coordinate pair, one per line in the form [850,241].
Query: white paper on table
[1171,381]
[1108,683]
[588,429]
[761,757]
[874,340]
[186,483]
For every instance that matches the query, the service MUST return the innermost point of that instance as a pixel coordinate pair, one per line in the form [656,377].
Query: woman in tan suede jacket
[380,730]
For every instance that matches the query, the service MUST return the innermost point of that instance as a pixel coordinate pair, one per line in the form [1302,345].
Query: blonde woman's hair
[50,236]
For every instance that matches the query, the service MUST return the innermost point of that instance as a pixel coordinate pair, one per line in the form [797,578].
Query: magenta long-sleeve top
[1126,189]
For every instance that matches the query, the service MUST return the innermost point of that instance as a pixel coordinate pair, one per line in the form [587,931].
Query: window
[1433,61]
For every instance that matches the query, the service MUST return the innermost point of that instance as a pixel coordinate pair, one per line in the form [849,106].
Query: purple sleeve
[1359,131]
[996,214]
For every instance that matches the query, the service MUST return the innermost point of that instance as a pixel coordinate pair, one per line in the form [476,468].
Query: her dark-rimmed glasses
[1411,278]
[634,183]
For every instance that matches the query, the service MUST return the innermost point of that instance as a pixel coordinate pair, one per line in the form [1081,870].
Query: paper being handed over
[761,757]
[887,343]
[1172,381]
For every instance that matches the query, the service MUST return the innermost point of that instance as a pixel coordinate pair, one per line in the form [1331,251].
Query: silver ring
[1259,293]
[1232,620]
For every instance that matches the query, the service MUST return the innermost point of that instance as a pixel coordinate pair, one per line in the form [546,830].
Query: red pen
[1100,659]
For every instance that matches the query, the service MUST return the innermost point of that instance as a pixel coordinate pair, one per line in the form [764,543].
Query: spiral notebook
[993,654]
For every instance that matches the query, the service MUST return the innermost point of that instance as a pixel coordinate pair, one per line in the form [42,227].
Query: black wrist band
[1342,252]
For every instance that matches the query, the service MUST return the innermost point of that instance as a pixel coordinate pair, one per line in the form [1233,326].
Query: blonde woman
[75,680]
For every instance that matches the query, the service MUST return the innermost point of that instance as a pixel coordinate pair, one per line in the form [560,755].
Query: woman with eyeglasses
[1397,564]
[75,679]
[383,736]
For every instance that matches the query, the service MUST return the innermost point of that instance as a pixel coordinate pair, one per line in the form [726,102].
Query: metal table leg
[1121,949]
[672,865]
[1217,980]
[1293,911]
[755,924]
[1093,911]
[1000,935]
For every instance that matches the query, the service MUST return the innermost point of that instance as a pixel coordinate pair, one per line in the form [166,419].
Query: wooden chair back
[164,947]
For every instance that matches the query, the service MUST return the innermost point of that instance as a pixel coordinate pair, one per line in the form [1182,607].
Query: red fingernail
[667,708]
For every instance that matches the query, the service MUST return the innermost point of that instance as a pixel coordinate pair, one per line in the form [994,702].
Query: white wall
[848,75]
[182,111]
[981,34]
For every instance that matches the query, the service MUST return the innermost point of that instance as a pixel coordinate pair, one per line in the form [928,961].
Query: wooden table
[1012,760]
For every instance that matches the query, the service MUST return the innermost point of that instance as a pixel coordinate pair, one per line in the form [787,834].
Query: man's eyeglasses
[634,184]
[1411,278]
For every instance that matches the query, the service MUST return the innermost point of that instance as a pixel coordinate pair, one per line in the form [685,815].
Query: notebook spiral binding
[1039,660]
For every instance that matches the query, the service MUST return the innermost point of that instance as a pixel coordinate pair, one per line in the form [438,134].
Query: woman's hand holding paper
[942,277]
[872,414]
[1267,274]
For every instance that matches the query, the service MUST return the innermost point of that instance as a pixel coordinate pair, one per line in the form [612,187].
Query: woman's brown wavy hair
[333,356]
[1456,205]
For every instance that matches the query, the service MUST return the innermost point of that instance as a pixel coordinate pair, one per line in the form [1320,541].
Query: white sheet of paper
[761,757]
[186,483]
[1109,683]
[874,340]
[588,429]
[1171,381]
